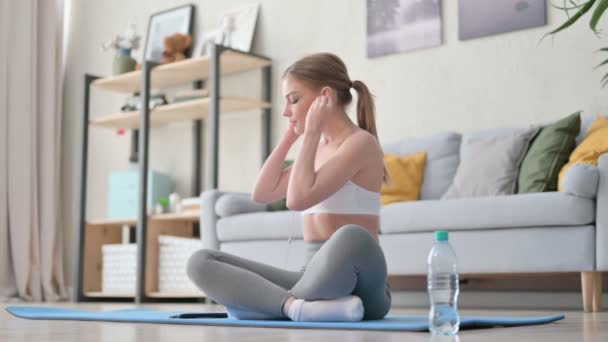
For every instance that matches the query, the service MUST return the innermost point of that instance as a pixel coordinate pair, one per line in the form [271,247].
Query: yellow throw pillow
[591,147]
[405,177]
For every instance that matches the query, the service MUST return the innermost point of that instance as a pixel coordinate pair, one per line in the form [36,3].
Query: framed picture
[238,27]
[402,25]
[165,23]
[480,18]
[204,38]
[236,30]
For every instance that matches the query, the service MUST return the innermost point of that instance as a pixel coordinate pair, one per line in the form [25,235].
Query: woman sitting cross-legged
[335,182]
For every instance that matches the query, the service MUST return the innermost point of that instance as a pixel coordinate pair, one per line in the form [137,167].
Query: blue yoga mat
[142,315]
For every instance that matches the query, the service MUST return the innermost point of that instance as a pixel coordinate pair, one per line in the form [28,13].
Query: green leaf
[601,7]
[603,63]
[605,82]
[602,49]
[564,8]
[584,9]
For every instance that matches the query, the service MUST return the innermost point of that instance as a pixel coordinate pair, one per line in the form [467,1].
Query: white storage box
[173,256]
[118,268]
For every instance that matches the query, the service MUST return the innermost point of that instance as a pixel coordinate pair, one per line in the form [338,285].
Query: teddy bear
[175,46]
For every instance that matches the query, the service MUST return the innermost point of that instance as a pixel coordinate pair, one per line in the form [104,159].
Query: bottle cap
[441,235]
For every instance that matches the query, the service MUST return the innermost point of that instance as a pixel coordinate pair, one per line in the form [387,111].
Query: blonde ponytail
[366,112]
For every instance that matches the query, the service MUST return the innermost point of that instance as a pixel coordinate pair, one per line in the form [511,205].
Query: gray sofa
[528,233]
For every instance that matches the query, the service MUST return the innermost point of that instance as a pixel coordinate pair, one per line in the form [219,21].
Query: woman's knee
[197,262]
[350,242]
[354,234]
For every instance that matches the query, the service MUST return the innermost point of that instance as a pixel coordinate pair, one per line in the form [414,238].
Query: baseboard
[499,300]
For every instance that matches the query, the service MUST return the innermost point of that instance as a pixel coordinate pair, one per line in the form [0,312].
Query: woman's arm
[271,183]
[307,187]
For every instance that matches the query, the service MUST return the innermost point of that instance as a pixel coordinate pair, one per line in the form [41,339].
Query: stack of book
[190,204]
[191,94]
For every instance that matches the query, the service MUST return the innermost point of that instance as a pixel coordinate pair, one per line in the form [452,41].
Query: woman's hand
[290,136]
[320,108]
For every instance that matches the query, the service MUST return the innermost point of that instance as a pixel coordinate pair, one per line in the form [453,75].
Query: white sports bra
[349,199]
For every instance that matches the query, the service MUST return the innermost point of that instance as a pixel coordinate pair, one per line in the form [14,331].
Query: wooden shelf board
[190,69]
[113,222]
[190,216]
[180,111]
[108,294]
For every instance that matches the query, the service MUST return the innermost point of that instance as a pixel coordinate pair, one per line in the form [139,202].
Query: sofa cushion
[260,226]
[442,151]
[490,165]
[590,148]
[587,120]
[512,211]
[405,177]
[518,250]
[548,152]
[234,203]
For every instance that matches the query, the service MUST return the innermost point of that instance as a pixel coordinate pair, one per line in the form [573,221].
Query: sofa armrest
[601,218]
[581,180]
[209,219]
[236,203]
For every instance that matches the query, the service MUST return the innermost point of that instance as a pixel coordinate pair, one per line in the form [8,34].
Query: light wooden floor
[577,326]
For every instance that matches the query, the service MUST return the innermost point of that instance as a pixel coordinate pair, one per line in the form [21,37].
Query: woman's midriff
[321,226]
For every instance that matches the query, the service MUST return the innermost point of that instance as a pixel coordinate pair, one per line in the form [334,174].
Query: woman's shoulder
[365,138]
[359,139]
[370,152]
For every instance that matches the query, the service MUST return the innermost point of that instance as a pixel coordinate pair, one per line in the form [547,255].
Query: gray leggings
[350,262]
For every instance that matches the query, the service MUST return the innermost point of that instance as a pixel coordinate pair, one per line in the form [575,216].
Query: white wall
[508,79]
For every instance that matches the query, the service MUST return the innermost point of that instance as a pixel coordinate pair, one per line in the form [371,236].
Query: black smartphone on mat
[201,315]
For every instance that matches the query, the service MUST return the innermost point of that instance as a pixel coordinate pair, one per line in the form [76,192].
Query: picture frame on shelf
[161,24]
[201,47]
[236,30]
[238,27]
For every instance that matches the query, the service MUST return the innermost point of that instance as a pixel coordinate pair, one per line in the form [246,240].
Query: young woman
[335,182]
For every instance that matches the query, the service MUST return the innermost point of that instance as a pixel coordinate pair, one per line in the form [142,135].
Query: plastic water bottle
[442,284]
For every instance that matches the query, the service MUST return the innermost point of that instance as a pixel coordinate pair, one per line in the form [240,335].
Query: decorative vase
[123,62]
[159,209]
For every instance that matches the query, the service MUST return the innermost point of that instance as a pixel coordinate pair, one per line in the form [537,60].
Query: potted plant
[124,45]
[579,9]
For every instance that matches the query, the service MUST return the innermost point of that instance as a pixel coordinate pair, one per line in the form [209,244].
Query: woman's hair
[328,70]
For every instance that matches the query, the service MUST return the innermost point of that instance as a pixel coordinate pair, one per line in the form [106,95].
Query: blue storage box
[123,192]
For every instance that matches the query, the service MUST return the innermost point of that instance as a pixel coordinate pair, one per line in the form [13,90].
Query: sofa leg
[597,291]
[591,284]
[587,287]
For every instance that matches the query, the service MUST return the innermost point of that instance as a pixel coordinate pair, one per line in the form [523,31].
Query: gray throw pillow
[442,150]
[237,203]
[489,166]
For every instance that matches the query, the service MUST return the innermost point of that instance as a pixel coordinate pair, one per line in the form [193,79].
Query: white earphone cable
[289,228]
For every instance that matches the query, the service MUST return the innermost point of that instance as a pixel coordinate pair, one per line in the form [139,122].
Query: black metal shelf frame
[143,153]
